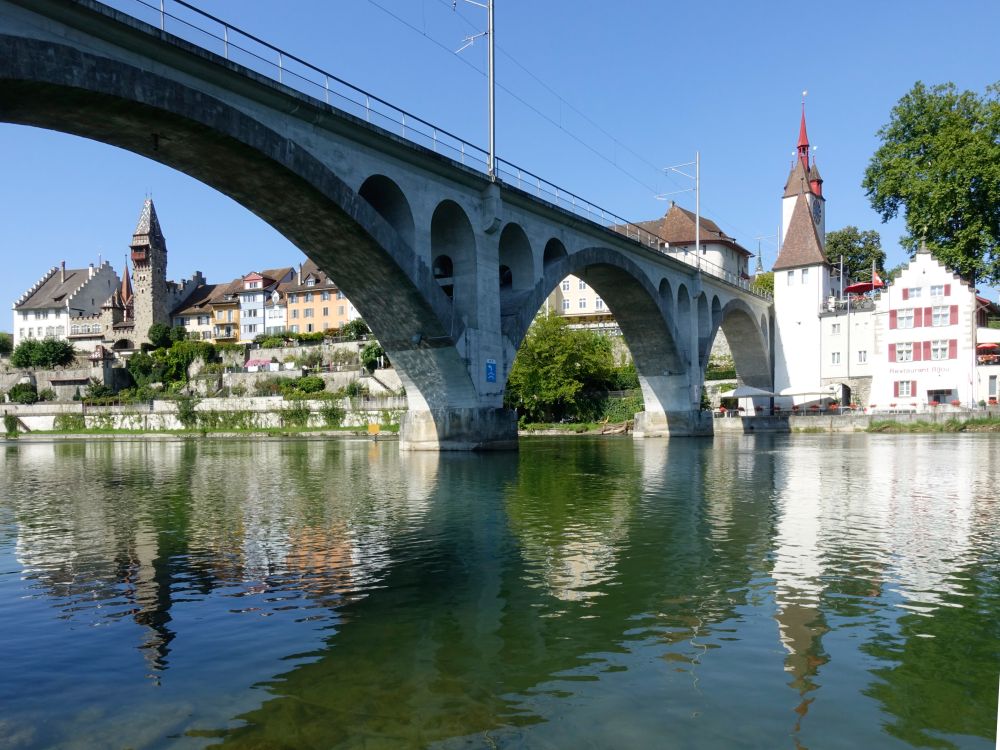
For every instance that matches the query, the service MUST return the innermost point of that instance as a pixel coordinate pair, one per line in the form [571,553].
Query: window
[993,385]
[326,311]
[904,318]
[912,292]
[340,294]
[565,285]
[863,356]
[805,275]
[940,315]
[939,349]
[904,352]
[340,310]
[295,329]
[791,277]
[599,303]
[308,296]
[904,389]
[311,281]
[583,284]
[229,316]
[309,327]
[325,295]
[565,304]
[308,313]
[937,290]
[834,358]
[295,313]
[835,329]
[582,303]
[292,297]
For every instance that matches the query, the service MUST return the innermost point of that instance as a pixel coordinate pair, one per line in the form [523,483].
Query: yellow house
[315,304]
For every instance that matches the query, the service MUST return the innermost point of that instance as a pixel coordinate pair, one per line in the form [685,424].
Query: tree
[370,355]
[764,282]
[159,336]
[555,366]
[354,329]
[938,162]
[859,249]
[43,354]
[6,344]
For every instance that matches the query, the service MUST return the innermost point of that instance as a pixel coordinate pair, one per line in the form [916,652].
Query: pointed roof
[677,227]
[803,138]
[126,287]
[801,246]
[147,231]
[798,180]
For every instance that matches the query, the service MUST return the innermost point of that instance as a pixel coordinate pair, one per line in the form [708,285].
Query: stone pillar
[458,429]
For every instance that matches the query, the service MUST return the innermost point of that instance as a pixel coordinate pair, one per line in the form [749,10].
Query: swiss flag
[877,280]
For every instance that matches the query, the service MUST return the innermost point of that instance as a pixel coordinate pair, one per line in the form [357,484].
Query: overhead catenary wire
[610,160]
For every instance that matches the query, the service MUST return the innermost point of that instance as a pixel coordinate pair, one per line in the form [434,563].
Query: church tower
[150,303]
[801,276]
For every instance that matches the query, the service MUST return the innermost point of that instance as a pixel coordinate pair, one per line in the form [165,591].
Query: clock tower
[804,179]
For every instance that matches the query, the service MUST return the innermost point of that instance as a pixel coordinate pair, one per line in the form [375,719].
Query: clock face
[817,208]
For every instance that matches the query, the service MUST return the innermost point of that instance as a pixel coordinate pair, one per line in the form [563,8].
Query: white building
[922,340]
[47,309]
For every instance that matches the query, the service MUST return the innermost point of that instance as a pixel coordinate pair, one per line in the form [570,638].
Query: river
[768,591]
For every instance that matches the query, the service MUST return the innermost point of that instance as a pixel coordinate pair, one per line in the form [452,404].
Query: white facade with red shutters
[929,328]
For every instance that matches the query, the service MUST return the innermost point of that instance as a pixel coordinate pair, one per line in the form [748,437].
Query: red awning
[986,347]
[862,287]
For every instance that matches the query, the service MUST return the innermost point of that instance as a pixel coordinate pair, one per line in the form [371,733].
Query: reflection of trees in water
[477,619]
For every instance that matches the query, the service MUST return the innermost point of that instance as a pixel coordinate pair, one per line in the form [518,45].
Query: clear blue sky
[643,85]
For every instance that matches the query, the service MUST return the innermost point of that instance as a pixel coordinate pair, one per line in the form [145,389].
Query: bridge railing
[185,21]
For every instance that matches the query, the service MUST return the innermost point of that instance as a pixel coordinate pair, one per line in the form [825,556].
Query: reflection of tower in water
[798,584]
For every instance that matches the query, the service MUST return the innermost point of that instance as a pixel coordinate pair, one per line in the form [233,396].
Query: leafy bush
[354,330]
[333,415]
[23,393]
[186,413]
[296,415]
[272,386]
[46,394]
[6,344]
[370,355]
[310,384]
[69,423]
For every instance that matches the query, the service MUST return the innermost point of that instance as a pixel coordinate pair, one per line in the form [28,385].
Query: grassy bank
[984,424]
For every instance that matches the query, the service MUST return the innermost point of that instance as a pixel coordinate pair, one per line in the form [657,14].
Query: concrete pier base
[672,424]
[470,429]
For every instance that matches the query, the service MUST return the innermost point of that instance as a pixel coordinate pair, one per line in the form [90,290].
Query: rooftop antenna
[469,41]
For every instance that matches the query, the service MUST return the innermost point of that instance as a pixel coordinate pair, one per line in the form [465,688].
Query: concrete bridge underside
[447,268]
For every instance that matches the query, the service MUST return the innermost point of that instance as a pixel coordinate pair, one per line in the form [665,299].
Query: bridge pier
[458,429]
[690,423]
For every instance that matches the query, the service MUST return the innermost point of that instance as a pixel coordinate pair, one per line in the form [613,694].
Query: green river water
[807,591]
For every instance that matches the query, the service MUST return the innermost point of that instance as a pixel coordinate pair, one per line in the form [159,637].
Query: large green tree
[860,249]
[939,163]
[555,366]
[43,353]
[6,344]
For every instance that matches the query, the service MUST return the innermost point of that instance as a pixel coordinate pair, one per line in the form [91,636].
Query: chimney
[299,281]
[90,271]
[62,272]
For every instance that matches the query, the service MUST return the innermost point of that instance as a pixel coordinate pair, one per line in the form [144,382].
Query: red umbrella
[986,347]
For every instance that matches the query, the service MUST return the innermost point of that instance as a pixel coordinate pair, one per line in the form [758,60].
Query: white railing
[183,20]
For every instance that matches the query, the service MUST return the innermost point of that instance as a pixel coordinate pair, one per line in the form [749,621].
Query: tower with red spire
[804,179]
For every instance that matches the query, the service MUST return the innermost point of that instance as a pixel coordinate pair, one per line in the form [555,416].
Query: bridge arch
[386,197]
[747,343]
[360,243]
[554,251]
[515,259]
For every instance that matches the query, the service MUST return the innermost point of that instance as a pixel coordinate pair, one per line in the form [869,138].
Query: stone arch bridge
[447,266]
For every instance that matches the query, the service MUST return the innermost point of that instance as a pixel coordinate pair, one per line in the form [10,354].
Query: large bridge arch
[747,343]
[361,245]
[420,242]
[644,315]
